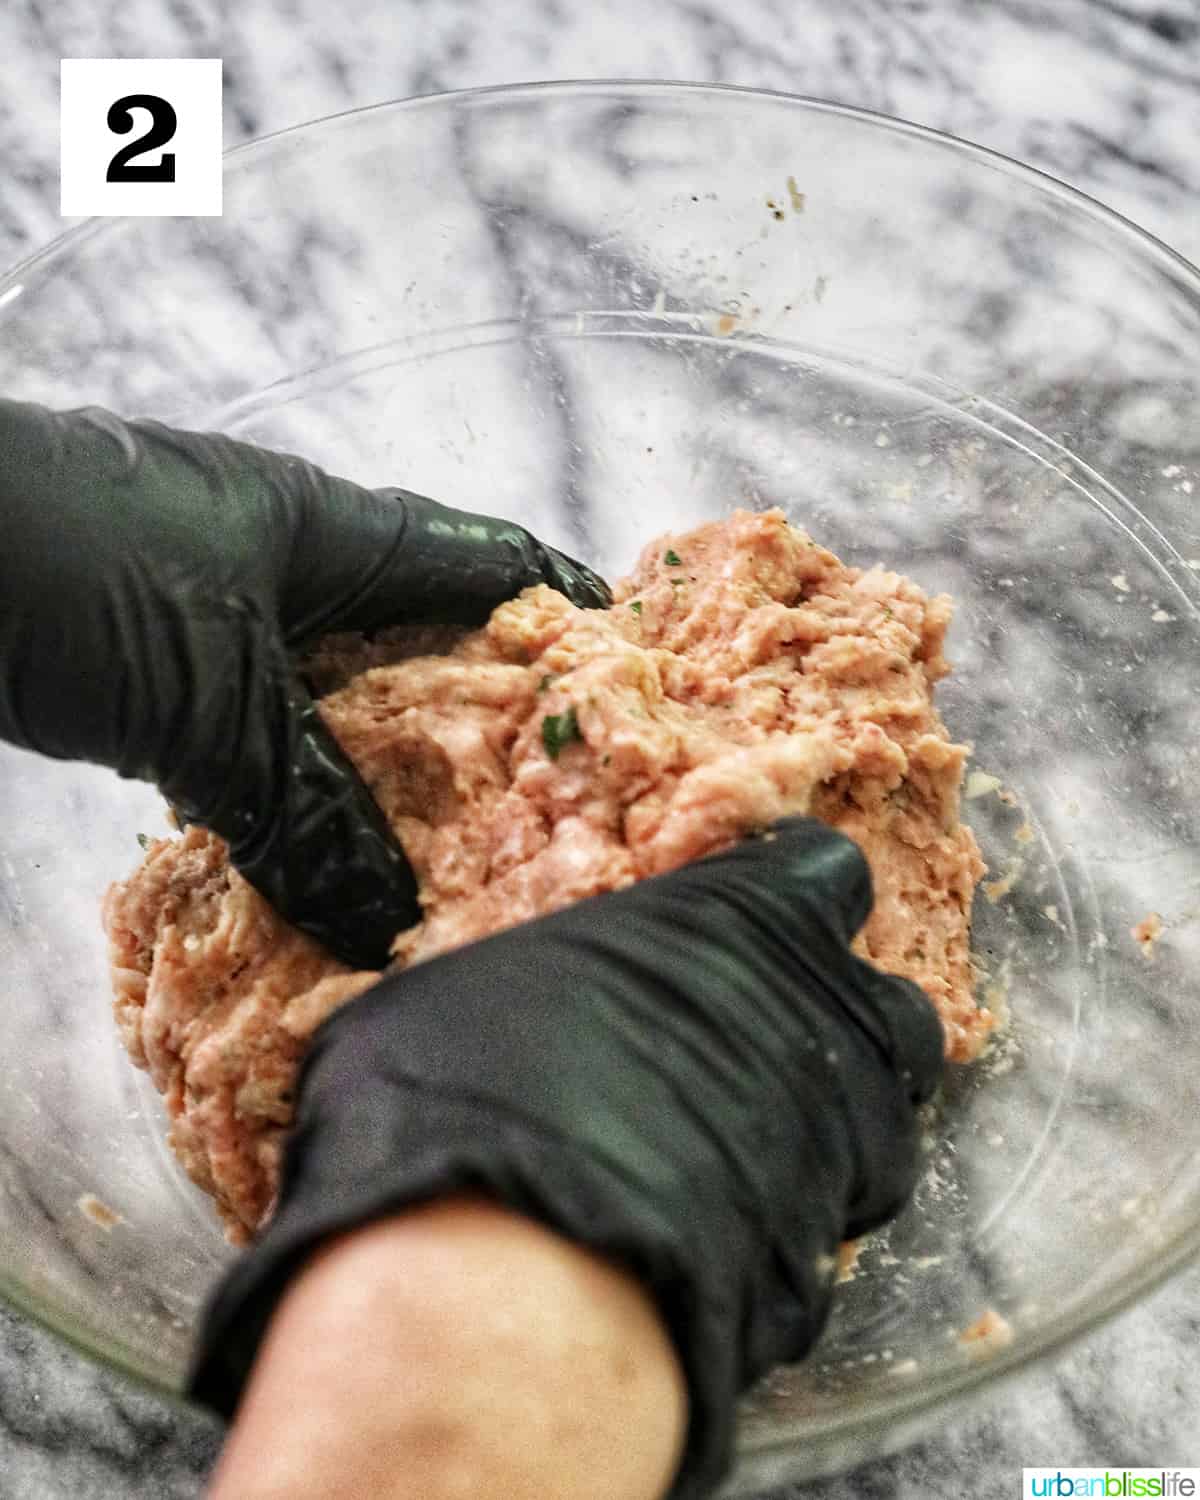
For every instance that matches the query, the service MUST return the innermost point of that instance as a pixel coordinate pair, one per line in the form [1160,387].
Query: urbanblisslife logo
[1113,1484]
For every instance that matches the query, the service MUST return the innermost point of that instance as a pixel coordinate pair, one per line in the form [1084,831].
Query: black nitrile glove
[154,585]
[693,1075]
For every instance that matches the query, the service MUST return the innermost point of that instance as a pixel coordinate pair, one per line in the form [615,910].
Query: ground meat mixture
[742,673]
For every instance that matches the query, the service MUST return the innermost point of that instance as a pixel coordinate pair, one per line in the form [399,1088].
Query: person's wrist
[459,1342]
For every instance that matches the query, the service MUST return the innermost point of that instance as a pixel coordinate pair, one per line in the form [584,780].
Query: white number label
[141,136]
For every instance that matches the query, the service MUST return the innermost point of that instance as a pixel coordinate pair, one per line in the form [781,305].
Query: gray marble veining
[1104,96]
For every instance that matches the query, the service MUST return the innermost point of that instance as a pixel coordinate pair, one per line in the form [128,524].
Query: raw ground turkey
[742,673]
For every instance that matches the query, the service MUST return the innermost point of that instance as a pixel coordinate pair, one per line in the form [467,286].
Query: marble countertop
[1104,94]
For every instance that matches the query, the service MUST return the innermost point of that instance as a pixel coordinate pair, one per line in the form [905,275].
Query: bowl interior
[609,310]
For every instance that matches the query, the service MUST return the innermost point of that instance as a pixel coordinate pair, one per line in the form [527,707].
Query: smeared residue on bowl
[987,1335]
[1147,933]
[98,1212]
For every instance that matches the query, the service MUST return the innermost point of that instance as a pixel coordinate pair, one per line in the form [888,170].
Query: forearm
[459,1349]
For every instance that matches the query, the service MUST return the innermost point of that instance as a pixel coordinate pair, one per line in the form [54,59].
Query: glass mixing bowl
[606,309]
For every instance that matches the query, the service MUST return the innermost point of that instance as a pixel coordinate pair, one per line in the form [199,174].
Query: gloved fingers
[793,896]
[363,559]
[916,1038]
[328,860]
[814,863]
[816,870]
[788,902]
[823,880]
[301,825]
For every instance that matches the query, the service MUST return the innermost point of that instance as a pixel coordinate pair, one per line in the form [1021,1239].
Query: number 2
[162,129]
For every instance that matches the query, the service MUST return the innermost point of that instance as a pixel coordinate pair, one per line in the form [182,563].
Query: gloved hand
[693,1076]
[153,586]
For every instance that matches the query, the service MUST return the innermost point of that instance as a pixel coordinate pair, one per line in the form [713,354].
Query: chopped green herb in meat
[672,558]
[559,730]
